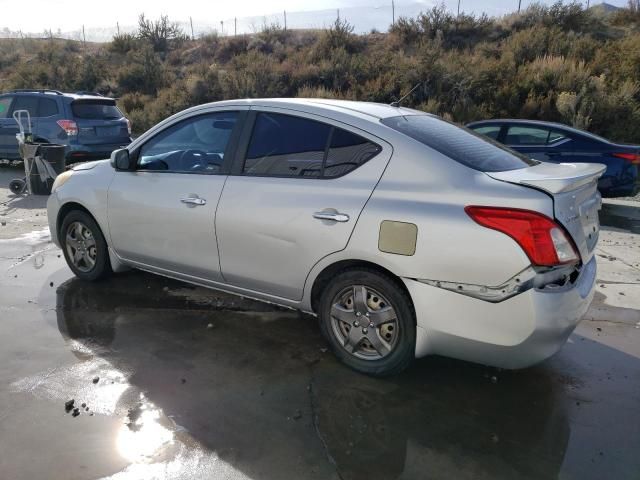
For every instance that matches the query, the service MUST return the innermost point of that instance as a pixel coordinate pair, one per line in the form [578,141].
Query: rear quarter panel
[423,187]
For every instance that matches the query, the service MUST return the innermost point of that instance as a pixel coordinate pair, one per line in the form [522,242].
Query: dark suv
[89,125]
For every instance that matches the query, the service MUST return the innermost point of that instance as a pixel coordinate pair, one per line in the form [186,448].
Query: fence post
[393,13]
[285,19]
[193,37]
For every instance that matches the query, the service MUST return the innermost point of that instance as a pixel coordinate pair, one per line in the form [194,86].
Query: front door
[162,215]
[8,129]
[295,198]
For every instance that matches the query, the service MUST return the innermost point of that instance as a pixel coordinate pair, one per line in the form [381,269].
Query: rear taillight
[69,126]
[543,240]
[128,125]
[633,158]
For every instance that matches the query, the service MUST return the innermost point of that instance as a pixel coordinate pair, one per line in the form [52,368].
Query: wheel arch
[324,277]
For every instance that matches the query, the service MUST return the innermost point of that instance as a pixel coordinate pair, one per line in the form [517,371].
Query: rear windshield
[96,109]
[458,143]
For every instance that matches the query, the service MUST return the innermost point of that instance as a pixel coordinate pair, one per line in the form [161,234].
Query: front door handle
[193,201]
[334,216]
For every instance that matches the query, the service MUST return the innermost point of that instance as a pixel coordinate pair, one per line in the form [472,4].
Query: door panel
[268,235]
[149,223]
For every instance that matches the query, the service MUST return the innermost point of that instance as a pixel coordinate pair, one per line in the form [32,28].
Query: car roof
[376,111]
[56,93]
[539,123]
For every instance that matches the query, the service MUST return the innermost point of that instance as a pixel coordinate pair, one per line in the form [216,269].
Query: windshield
[96,110]
[459,143]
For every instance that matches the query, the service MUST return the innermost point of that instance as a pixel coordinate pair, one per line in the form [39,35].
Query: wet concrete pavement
[192,383]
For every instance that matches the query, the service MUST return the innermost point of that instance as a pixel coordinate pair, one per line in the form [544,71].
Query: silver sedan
[405,234]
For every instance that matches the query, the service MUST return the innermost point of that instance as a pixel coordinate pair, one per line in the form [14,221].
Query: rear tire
[84,246]
[369,320]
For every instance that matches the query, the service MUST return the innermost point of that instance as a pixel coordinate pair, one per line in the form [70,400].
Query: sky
[66,15]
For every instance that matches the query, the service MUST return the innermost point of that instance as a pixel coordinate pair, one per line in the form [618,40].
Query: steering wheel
[192,159]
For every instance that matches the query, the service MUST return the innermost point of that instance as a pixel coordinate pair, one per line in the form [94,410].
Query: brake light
[543,240]
[633,158]
[69,126]
[128,125]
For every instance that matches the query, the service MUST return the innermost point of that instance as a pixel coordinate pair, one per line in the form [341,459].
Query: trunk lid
[576,200]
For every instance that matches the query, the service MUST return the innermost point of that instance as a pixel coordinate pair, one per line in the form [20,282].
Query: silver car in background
[405,234]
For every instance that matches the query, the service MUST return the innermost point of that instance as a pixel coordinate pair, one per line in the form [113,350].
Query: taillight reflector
[543,240]
[633,158]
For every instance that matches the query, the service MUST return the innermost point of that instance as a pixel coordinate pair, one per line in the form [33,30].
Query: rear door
[162,215]
[298,186]
[99,121]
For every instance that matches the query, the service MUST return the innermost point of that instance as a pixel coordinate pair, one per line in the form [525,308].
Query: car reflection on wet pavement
[193,383]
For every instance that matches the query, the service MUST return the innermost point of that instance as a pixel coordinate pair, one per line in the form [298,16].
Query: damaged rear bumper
[515,333]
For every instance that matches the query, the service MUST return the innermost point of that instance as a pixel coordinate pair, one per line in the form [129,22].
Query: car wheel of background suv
[370,322]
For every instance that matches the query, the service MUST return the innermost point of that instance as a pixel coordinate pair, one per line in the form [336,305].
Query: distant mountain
[603,8]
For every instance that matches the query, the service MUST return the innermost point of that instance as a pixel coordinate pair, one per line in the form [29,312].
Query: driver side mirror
[120,159]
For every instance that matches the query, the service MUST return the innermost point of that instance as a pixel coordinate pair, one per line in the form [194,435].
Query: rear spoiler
[552,177]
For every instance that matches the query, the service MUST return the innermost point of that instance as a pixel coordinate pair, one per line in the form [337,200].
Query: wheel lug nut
[371,325]
[356,323]
[364,330]
[366,314]
[358,314]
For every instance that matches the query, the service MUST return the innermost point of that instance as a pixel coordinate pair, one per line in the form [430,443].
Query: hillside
[560,63]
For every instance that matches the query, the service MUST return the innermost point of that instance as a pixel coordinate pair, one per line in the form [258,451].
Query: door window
[47,107]
[555,137]
[5,103]
[491,131]
[195,145]
[347,152]
[286,146]
[289,146]
[29,103]
[526,136]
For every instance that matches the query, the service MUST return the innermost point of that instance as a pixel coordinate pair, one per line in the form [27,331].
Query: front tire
[84,246]
[368,319]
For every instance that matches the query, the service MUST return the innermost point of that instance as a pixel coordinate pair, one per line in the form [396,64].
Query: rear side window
[28,103]
[347,152]
[96,109]
[289,146]
[526,136]
[460,144]
[47,107]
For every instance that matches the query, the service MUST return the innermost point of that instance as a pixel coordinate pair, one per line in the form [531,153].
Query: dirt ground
[177,382]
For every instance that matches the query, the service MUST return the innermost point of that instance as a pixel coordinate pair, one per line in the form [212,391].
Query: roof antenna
[398,102]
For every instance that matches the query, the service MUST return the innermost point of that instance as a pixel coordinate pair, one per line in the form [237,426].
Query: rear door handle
[193,201]
[334,216]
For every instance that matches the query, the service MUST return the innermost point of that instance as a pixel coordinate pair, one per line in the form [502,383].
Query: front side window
[288,146]
[5,103]
[284,145]
[460,144]
[195,145]
[491,131]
